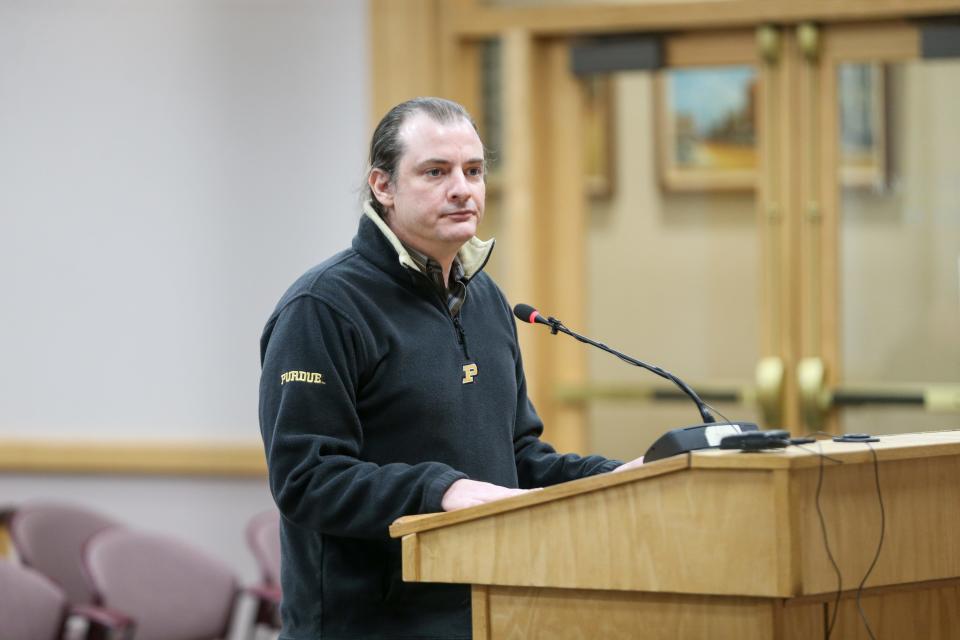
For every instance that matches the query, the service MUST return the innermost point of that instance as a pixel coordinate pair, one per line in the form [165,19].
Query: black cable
[876,556]
[726,420]
[826,543]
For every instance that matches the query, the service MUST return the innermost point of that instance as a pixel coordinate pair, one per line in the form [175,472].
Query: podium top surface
[889,448]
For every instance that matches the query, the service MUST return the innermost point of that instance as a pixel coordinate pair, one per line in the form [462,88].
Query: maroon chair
[170,590]
[263,538]
[31,606]
[50,536]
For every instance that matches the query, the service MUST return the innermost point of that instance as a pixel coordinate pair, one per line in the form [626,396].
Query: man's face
[435,201]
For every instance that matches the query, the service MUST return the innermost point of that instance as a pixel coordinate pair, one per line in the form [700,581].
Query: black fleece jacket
[366,417]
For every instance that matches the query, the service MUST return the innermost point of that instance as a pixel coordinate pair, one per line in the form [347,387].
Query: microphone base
[700,436]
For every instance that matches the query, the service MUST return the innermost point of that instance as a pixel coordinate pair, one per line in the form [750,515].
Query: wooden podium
[714,544]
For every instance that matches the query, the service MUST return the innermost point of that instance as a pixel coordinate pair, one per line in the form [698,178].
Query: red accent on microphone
[533,316]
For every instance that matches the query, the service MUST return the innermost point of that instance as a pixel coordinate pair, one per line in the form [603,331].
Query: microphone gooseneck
[529,314]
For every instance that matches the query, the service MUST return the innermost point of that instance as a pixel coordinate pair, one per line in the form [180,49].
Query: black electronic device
[856,437]
[701,436]
[757,440]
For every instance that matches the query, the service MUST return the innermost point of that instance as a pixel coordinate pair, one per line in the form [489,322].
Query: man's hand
[469,493]
[633,464]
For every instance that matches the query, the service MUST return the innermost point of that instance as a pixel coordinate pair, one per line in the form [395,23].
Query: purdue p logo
[302,376]
[469,372]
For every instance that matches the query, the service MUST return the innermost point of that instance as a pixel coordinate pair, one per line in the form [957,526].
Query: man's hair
[386,147]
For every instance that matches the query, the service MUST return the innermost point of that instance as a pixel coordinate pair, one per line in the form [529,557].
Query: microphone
[675,441]
[528,314]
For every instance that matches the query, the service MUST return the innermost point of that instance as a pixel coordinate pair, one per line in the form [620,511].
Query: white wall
[167,169]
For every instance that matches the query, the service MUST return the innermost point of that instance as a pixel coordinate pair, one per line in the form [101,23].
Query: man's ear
[382,187]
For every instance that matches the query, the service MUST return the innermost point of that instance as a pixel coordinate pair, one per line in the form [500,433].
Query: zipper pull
[461,335]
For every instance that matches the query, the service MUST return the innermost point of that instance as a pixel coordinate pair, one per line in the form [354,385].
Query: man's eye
[434,173]
[475,171]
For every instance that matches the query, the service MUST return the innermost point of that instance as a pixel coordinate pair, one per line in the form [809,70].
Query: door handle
[817,400]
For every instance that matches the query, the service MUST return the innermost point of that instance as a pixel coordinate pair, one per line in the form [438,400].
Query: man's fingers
[469,493]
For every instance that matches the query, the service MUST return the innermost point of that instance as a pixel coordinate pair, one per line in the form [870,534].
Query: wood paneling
[734,46]
[404,55]
[919,497]
[929,612]
[117,457]
[709,14]
[644,536]
[552,613]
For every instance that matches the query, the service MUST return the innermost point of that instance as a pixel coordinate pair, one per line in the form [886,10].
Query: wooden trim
[849,594]
[460,75]
[562,217]
[417,524]
[828,323]
[776,210]
[132,458]
[789,558]
[735,46]
[870,42]
[788,167]
[480,606]
[811,219]
[479,21]
[894,447]
[411,558]
[404,60]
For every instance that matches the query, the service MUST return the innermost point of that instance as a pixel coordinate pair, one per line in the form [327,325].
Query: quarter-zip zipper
[457,326]
[461,335]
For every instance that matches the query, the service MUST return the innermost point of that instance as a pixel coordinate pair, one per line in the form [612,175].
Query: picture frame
[599,136]
[706,128]
[863,149]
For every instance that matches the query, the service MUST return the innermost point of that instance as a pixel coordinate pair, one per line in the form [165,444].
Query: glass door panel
[899,242]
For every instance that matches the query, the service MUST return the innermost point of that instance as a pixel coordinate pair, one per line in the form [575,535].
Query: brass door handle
[769,379]
[817,400]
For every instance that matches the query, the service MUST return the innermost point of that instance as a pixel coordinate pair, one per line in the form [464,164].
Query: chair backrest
[170,589]
[31,606]
[49,537]
[263,538]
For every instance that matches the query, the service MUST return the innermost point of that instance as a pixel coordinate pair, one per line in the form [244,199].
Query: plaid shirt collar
[455,291]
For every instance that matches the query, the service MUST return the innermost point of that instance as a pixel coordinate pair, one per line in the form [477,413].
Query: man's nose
[457,188]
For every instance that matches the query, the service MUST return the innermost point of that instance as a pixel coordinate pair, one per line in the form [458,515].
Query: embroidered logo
[302,376]
[469,372]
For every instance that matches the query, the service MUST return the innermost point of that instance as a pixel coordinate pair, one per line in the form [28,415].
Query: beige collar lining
[473,254]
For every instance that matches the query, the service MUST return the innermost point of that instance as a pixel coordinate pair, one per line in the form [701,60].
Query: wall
[166,170]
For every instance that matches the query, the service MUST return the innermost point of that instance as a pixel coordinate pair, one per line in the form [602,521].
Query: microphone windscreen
[525,312]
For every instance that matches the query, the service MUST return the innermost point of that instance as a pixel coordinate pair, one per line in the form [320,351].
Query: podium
[714,544]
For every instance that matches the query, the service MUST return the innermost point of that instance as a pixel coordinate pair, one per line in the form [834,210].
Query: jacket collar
[473,255]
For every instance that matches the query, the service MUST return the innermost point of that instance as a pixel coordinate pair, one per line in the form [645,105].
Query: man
[392,384]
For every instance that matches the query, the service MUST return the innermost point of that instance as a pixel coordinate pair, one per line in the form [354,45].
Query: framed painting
[598,152]
[706,128]
[863,125]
